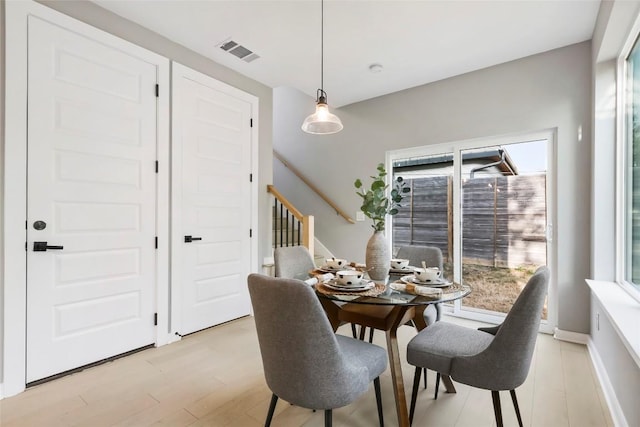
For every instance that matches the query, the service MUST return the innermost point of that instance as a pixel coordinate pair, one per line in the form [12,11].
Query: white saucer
[440,283]
[327,269]
[364,285]
[405,270]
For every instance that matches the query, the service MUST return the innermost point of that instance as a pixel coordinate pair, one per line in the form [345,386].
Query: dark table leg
[396,377]
[332,311]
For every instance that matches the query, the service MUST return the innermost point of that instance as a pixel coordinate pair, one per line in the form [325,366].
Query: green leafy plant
[375,202]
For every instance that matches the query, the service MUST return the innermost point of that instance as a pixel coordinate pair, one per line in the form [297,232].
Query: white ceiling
[416,42]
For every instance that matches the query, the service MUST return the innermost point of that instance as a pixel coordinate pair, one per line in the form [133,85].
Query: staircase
[290,228]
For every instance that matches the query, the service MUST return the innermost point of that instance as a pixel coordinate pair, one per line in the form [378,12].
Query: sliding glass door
[486,205]
[426,218]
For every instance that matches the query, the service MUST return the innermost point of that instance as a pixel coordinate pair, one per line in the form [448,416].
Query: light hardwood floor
[214,378]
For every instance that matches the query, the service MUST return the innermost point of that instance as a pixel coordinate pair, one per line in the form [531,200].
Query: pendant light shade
[322,122]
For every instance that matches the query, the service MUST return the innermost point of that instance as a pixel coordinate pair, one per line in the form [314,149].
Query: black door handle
[42,247]
[189,239]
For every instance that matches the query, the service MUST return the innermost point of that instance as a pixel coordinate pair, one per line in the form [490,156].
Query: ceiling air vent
[238,50]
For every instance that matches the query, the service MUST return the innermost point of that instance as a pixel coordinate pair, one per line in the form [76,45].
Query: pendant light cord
[322,46]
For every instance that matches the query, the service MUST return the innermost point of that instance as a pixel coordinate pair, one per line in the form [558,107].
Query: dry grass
[494,288]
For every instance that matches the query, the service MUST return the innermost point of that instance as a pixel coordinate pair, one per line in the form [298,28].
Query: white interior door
[211,199]
[91,192]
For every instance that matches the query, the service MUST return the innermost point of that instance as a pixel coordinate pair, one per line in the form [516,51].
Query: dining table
[387,306]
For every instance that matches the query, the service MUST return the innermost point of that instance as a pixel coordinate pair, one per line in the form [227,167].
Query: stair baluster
[290,227]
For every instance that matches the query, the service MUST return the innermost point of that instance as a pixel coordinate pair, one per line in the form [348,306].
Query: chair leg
[371,335]
[327,417]
[414,393]
[425,378]
[353,331]
[272,408]
[435,396]
[517,408]
[376,386]
[496,407]
[363,330]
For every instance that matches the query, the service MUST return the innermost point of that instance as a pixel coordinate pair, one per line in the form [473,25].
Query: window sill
[623,312]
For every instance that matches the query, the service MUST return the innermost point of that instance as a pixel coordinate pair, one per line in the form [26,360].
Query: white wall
[98,17]
[603,179]
[2,55]
[549,90]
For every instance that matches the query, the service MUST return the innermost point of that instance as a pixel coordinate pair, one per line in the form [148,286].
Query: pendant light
[322,122]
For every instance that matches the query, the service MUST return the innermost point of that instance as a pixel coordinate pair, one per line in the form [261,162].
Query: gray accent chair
[480,359]
[305,363]
[432,256]
[293,262]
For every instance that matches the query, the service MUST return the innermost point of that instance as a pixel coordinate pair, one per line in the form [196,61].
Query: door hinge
[157,166]
[157,90]
[25,246]
[155,319]
[250,177]
[250,123]
[26,225]
[156,242]
[250,233]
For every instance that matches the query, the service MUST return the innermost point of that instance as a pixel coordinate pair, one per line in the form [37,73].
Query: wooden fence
[503,219]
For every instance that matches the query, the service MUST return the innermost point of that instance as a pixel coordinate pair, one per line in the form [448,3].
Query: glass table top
[394,297]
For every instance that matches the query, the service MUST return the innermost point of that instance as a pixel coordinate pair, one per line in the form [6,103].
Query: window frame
[623,255]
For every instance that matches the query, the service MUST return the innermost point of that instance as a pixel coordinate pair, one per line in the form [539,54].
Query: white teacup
[430,274]
[349,277]
[336,263]
[399,264]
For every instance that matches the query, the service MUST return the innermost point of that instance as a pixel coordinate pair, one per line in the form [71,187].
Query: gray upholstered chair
[480,359]
[305,363]
[293,262]
[432,256]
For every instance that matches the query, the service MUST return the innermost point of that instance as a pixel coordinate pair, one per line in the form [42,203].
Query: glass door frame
[456,148]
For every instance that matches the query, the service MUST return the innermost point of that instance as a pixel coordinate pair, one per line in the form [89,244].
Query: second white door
[211,198]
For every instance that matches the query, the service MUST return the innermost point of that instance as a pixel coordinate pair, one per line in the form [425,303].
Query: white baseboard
[617,415]
[569,336]
[1,392]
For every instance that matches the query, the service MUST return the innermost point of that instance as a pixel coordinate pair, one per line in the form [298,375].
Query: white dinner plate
[440,283]
[364,285]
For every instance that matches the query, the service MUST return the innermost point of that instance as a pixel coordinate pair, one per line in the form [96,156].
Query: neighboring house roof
[488,162]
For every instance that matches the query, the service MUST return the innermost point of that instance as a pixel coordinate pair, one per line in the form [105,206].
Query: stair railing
[290,226]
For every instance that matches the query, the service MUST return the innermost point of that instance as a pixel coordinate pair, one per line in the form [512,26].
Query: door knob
[189,239]
[42,247]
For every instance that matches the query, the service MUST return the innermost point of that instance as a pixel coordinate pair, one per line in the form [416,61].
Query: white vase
[378,257]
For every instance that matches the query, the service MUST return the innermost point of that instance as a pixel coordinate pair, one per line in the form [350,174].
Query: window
[486,204]
[631,169]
